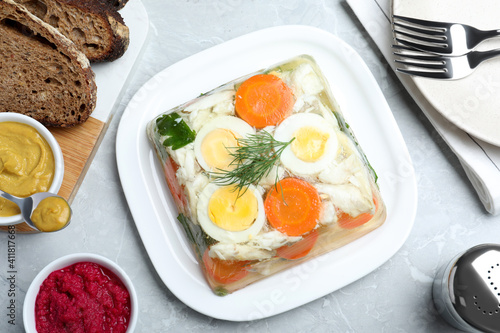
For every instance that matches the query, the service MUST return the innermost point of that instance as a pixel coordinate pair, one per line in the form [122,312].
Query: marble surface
[396,297]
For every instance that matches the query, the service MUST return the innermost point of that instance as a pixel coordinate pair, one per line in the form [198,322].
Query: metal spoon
[28,205]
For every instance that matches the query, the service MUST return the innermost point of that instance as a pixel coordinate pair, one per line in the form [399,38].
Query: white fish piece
[177,155]
[312,104]
[340,173]
[190,164]
[272,240]
[360,175]
[350,171]
[225,108]
[231,251]
[185,157]
[193,190]
[199,118]
[322,110]
[328,213]
[261,190]
[269,129]
[347,145]
[262,246]
[361,180]
[348,198]
[305,79]
[264,268]
[276,173]
[210,101]
[299,105]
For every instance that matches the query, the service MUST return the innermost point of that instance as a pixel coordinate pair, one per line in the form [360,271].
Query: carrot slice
[346,221]
[170,169]
[225,271]
[300,249]
[293,206]
[264,100]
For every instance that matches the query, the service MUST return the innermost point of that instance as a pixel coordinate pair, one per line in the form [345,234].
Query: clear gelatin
[265,174]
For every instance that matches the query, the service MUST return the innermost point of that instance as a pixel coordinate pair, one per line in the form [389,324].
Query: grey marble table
[396,297]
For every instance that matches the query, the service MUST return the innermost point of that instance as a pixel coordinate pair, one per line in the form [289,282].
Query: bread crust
[118,4]
[60,92]
[95,26]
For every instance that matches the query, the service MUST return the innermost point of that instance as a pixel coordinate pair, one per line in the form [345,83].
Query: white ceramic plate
[364,108]
[471,103]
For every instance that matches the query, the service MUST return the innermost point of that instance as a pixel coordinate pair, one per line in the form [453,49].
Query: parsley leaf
[177,131]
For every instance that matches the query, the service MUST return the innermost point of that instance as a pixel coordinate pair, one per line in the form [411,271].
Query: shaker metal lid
[474,284]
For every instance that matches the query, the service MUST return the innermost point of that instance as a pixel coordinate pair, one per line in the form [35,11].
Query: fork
[451,39]
[440,67]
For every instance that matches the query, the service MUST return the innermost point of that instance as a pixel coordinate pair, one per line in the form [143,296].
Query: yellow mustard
[51,214]
[27,163]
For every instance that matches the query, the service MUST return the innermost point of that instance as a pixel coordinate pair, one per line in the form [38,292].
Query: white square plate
[364,109]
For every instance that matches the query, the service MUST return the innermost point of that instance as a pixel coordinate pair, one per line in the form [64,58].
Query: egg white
[234,124]
[285,132]
[223,235]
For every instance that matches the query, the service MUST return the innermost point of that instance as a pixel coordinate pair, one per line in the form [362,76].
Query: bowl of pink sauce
[81,292]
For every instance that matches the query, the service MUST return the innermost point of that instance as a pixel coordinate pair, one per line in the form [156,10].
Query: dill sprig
[254,158]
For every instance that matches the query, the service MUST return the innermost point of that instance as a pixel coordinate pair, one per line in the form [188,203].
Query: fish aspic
[265,174]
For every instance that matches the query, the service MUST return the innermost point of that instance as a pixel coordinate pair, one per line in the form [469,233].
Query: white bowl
[31,294]
[56,150]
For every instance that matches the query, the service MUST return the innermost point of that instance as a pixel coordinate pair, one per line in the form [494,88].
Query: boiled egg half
[314,146]
[214,140]
[228,218]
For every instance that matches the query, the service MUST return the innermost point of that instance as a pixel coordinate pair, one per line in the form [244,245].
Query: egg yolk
[309,144]
[231,213]
[214,148]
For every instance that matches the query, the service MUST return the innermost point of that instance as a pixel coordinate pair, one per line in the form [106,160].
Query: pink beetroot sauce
[83,297]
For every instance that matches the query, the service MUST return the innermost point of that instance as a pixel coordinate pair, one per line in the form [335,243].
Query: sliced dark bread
[95,26]
[118,4]
[42,73]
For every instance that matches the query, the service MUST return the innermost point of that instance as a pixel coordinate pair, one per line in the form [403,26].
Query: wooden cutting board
[79,144]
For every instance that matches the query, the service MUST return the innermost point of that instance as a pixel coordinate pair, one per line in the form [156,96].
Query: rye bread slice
[42,73]
[95,26]
[118,4]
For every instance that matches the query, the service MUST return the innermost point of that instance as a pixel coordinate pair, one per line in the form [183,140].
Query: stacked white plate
[471,103]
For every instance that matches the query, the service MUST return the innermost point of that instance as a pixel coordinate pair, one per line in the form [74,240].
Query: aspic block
[265,174]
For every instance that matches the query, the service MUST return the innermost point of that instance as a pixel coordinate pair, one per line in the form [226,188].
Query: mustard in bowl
[31,161]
